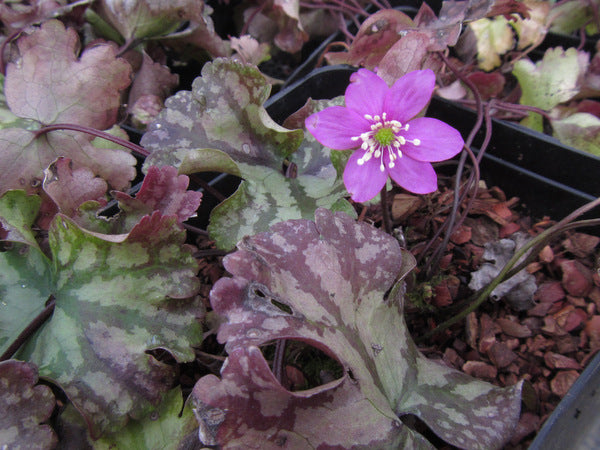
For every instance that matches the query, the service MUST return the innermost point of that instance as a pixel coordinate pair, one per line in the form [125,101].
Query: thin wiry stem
[137,149]
[510,268]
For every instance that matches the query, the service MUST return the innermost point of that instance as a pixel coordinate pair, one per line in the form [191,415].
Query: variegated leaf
[222,125]
[25,406]
[328,283]
[117,298]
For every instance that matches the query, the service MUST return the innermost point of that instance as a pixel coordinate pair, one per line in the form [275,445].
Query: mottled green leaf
[25,285]
[579,130]
[17,212]
[162,430]
[25,406]
[334,284]
[117,297]
[222,125]
[553,80]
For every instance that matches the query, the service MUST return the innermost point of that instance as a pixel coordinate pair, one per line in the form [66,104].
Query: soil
[548,344]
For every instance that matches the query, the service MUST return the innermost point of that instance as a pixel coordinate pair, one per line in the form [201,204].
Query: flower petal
[366,92]
[335,126]
[409,95]
[439,141]
[363,182]
[414,176]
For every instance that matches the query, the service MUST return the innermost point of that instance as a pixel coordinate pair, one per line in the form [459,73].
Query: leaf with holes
[333,284]
[49,83]
[25,406]
[118,298]
[222,125]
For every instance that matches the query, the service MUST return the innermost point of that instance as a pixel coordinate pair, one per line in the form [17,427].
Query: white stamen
[374,149]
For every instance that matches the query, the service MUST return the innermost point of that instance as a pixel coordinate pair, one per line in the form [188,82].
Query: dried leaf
[517,290]
[25,407]
[325,283]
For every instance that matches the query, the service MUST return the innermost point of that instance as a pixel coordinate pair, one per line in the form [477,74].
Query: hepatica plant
[379,122]
[93,304]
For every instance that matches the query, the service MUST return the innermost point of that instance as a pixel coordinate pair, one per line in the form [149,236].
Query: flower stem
[385,211]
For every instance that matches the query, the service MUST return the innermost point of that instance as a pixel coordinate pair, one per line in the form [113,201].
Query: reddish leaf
[25,406]
[324,283]
[69,188]
[51,84]
[550,292]
[151,86]
[162,190]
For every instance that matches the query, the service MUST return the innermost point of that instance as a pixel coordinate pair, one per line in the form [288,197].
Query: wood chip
[514,329]
[558,361]
[563,380]
[500,355]
[479,369]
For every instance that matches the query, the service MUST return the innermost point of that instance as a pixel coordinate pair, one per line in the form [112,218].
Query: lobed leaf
[28,404]
[24,157]
[49,83]
[222,125]
[580,130]
[118,297]
[328,283]
[165,429]
[162,190]
[553,80]
[69,188]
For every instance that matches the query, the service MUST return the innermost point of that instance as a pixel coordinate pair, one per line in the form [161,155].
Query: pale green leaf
[580,130]
[553,80]
[494,38]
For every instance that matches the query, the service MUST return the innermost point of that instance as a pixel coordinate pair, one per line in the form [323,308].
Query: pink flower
[377,122]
